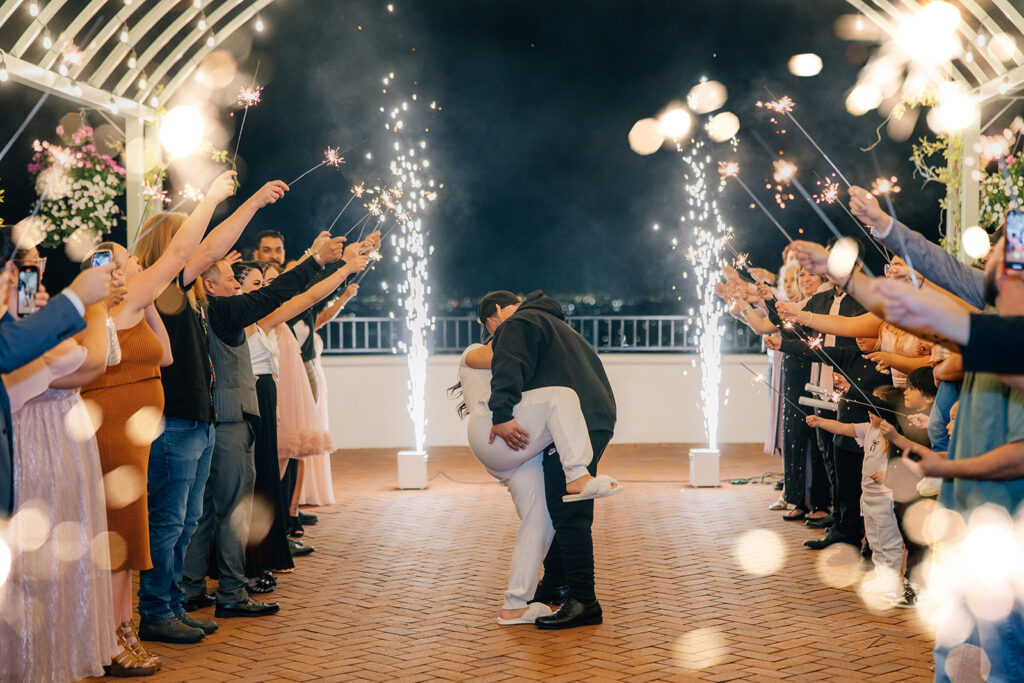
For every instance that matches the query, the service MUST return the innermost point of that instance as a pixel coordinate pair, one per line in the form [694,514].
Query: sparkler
[192,193]
[786,107]
[884,186]
[829,193]
[21,128]
[247,97]
[734,174]
[332,157]
[758,377]
[150,228]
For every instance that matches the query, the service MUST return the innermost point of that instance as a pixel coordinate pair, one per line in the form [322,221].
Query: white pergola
[133,56]
[991,77]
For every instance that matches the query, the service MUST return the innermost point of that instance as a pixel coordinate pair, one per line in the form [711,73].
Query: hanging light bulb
[132,60]
[47,40]
[259,23]
[198,3]
[113,105]
[33,9]
[124,33]
[62,69]
[142,81]
[202,21]
[211,40]
[3,67]
[153,101]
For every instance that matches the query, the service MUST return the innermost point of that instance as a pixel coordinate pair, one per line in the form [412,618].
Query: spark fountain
[410,193]
[711,234]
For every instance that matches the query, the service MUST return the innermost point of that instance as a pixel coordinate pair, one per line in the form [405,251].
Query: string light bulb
[124,33]
[202,21]
[33,9]
[3,67]
[113,105]
[259,23]
[211,40]
[47,40]
[132,60]
[142,81]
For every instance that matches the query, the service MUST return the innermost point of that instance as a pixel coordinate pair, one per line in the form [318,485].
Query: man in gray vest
[227,503]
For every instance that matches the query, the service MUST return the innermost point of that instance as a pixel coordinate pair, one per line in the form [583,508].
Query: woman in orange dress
[131,398]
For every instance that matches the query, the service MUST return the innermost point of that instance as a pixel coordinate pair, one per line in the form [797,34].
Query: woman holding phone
[132,401]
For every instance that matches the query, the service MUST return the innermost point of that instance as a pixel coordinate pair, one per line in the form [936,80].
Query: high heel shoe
[133,660]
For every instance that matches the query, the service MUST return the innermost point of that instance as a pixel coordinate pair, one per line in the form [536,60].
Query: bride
[547,414]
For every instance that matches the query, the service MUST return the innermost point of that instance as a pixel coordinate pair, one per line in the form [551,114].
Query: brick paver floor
[406,586]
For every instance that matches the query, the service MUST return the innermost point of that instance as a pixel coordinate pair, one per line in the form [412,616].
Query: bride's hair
[455,392]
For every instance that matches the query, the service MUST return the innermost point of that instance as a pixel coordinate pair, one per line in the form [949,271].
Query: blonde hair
[156,233]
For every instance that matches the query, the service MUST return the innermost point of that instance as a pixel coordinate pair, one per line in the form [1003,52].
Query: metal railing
[607,333]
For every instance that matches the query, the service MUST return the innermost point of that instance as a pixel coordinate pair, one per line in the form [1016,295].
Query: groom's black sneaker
[572,613]
[551,595]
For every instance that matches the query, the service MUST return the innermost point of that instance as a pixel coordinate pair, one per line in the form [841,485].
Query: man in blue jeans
[179,459]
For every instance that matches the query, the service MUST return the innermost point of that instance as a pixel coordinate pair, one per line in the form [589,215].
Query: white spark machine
[704,470]
[412,469]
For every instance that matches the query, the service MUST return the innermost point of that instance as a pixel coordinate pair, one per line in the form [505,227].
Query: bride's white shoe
[536,609]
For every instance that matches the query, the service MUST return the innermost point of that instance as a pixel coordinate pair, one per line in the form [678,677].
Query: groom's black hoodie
[535,348]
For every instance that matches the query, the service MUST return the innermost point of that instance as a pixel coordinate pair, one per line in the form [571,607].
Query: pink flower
[60,130]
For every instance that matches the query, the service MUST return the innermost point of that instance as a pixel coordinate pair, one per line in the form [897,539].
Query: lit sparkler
[247,97]
[882,186]
[829,193]
[728,169]
[192,193]
[783,171]
[761,206]
[152,192]
[332,157]
[783,105]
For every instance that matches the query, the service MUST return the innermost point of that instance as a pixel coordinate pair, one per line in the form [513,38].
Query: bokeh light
[976,242]
[706,96]
[863,98]
[123,485]
[700,649]
[675,122]
[838,565]
[181,131]
[843,258]
[5,562]
[805,65]
[79,244]
[966,663]
[955,110]
[144,426]
[646,136]
[929,36]
[109,550]
[83,419]
[723,126]
[29,527]
[261,520]
[71,541]
[760,552]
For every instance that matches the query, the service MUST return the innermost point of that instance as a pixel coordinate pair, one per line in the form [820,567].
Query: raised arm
[331,312]
[321,290]
[96,342]
[934,262]
[144,287]
[223,237]
[864,325]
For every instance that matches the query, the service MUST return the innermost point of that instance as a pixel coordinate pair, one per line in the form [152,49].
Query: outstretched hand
[810,255]
[222,187]
[269,193]
[865,207]
[512,433]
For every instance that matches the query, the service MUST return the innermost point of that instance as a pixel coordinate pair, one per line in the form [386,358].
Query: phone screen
[28,285]
[1014,252]
[101,258]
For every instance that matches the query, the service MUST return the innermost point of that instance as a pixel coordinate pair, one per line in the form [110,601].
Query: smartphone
[28,285]
[101,258]
[1013,254]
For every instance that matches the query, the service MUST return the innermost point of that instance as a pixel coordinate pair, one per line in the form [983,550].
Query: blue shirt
[991,414]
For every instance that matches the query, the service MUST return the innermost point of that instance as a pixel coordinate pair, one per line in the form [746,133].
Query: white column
[970,188]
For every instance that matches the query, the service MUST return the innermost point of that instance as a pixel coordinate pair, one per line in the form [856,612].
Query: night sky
[537,98]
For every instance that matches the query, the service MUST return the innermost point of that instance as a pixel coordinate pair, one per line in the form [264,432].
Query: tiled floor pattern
[406,585]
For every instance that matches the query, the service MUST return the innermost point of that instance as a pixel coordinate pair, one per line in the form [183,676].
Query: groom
[534,347]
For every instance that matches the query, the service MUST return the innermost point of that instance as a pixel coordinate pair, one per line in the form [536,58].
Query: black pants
[849,522]
[570,561]
[828,461]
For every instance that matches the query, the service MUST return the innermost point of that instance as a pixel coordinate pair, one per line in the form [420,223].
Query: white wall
[658,399]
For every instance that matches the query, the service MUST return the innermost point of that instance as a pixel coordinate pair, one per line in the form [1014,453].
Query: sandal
[133,660]
[780,504]
[258,586]
[795,515]
[269,577]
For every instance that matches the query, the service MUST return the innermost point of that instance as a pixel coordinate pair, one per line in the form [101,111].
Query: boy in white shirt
[876,501]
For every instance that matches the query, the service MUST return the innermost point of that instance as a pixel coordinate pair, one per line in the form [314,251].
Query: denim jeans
[179,464]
